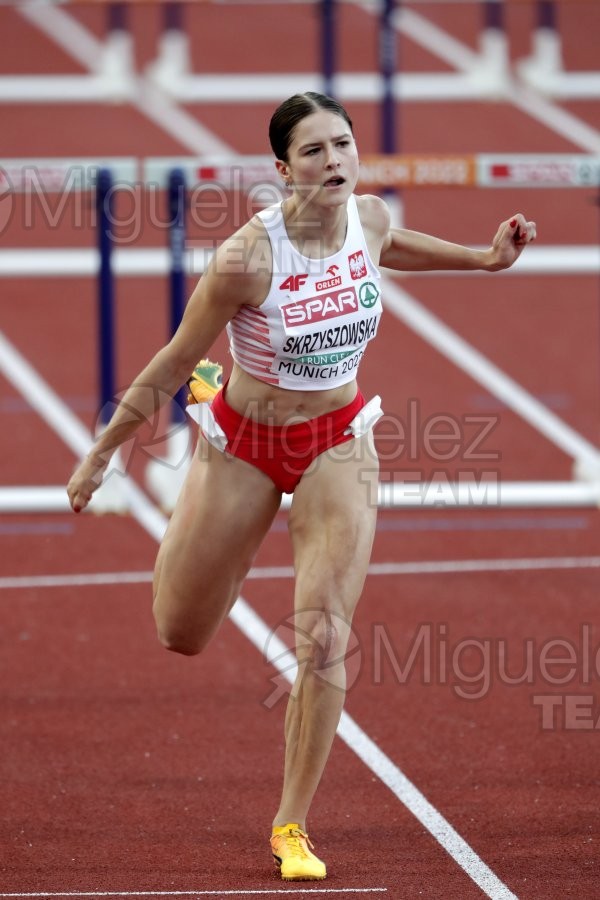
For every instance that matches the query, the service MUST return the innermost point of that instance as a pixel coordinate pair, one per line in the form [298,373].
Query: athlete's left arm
[412,251]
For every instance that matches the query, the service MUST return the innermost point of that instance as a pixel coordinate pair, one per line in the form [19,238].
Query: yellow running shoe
[205,381]
[290,852]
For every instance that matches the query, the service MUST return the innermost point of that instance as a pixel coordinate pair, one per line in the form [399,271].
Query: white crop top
[311,331]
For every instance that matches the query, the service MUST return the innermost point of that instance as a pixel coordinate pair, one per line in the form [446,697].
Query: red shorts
[284,452]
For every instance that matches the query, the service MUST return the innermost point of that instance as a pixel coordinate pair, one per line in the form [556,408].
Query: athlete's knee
[180,643]
[176,635]
[323,638]
[179,640]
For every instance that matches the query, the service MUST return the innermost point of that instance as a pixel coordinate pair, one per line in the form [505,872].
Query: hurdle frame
[180,174]
[115,78]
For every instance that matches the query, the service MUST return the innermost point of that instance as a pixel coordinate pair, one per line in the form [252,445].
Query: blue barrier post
[328,45]
[546,14]
[173,17]
[177,205]
[387,70]
[493,14]
[106,328]
[117,17]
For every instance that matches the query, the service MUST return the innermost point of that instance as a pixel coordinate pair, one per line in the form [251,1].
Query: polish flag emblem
[358,268]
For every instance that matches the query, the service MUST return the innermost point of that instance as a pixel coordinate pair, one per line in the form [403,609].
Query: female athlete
[298,290]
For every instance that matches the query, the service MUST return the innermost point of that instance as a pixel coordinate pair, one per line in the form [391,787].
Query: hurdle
[99,178]
[544,71]
[115,77]
[487,79]
[385,172]
[180,177]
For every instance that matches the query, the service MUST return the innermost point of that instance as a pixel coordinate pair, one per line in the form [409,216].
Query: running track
[126,769]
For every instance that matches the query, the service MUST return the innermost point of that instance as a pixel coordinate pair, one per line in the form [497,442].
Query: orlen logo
[358,268]
[293,283]
[318,309]
[330,282]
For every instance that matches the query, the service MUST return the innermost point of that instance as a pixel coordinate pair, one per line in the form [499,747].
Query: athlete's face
[322,158]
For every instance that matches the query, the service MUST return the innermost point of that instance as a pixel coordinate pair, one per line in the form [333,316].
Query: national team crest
[358,268]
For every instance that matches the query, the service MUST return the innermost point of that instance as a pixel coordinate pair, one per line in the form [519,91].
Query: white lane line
[269,573]
[68,427]
[555,118]
[74,39]
[83,580]
[448,567]
[466,357]
[425,33]
[377,762]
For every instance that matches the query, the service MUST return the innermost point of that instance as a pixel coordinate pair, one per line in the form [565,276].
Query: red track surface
[127,769]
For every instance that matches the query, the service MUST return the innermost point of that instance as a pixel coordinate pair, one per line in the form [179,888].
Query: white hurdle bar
[396,495]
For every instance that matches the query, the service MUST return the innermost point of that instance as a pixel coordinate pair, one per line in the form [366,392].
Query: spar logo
[321,308]
[358,267]
[368,294]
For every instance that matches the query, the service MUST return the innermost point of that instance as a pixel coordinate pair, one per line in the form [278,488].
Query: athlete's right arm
[237,275]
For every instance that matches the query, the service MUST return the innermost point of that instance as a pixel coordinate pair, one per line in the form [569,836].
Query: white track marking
[55,413]
[90,580]
[269,573]
[555,118]
[466,357]
[74,39]
[376,760]
[425,33]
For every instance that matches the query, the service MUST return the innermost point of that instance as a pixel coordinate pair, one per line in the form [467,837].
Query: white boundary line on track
[268,573]
[68,427]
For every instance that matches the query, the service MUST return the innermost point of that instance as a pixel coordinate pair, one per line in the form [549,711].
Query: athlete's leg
[223,513]
[332,525]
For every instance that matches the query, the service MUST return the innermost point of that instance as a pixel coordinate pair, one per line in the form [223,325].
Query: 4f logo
[358,268]
[293,283]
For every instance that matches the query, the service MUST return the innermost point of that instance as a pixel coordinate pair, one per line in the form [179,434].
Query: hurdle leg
[545,65]
[117,63]
[491,72]
[172,64]
[165,475]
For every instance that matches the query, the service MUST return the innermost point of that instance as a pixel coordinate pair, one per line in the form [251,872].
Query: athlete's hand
[86,478]
[509,242]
